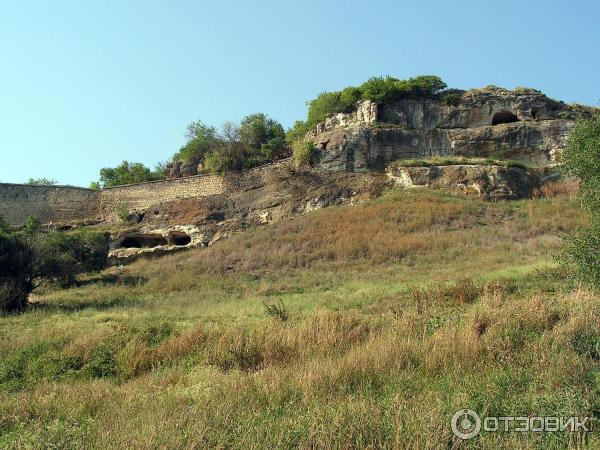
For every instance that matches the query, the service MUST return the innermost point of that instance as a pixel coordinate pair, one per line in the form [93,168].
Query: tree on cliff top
[377,89]
[258,139]
[129,173]
[201,139]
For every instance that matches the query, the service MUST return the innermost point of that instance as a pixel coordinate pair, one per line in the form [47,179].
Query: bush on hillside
[304,153]
[582,159]
[29,257]
[16,271]
[60,257]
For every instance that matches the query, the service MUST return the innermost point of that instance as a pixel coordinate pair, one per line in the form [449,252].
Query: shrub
[16,272]
[60,257]
[582,159]
[582,254]
[380,89]
[277,311]
[201,139]
[325,104]
[304,153]
[123,213]
[450,98]
[41,182]
[377,89]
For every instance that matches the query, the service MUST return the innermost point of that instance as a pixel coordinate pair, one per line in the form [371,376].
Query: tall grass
[398,312]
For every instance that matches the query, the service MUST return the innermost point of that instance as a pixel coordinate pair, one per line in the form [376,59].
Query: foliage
[377,89]
[60,257]
[123,212]
[16,271]
[582,159]
[201,139]
[95,185]
[277,311]
[29,257]
[304,153]
[41,182]
[32,225]
[128,173]
[451,97]
[263,139]
[258,139]
[582,253]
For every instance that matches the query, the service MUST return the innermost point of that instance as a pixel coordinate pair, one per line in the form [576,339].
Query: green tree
[128,173]
[60,257]
[581,158]
[16,271]
[263,139]
[201,139]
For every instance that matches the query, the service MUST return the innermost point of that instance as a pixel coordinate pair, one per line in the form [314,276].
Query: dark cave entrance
[139,240]
[504,117]
[179,238]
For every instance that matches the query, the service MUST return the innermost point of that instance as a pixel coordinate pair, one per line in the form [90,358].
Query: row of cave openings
[150,240]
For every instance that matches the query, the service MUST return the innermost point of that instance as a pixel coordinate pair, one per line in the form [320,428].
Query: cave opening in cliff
[504,117]
[179,238]
[139,240]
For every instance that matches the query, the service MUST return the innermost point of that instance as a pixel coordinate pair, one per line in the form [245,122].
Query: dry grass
[567,188]
[399,312]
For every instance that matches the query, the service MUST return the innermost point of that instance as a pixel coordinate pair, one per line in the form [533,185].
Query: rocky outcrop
[522,125]
[210,218]
[487,182]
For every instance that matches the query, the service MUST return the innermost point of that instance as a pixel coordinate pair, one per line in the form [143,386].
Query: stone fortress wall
[58,204]
[68,204]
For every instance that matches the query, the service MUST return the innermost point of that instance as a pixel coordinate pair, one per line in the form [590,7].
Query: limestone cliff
[522,125]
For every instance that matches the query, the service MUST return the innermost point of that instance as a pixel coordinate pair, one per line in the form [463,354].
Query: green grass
[400,311]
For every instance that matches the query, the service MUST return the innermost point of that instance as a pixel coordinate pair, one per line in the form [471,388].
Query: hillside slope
[382,320]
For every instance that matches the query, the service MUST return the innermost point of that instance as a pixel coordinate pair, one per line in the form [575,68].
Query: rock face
[522,125]
[486,182]
[201,221]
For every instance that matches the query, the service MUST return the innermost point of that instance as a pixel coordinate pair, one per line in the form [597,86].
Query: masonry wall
[139,197]
[67,204]
[58,204]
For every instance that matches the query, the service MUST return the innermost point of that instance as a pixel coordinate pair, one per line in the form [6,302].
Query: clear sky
[87,84]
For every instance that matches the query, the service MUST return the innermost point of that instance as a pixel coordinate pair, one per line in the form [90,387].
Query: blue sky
[87,84]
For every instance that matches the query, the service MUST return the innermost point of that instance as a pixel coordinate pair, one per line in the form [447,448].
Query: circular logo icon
[466,424]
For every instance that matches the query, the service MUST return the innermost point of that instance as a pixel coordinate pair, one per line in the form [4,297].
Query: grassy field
[384,319]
